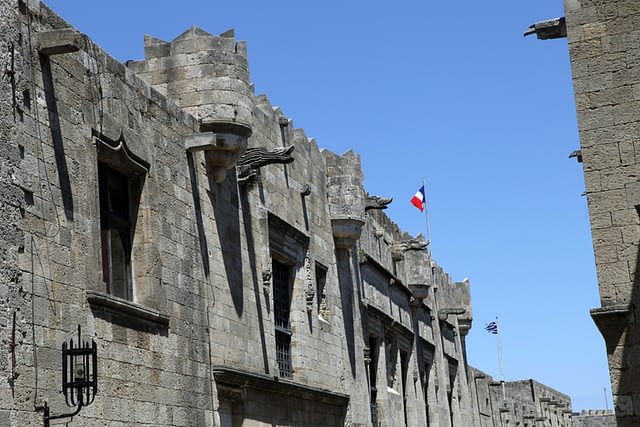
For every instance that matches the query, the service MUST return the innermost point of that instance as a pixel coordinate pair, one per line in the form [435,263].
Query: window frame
[116,163]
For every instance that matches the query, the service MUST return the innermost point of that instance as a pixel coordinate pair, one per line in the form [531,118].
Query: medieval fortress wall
[230,271]
[605,62]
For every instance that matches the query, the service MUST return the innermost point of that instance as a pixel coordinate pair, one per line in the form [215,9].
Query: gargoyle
[376,202]
[254,158]
[399,248]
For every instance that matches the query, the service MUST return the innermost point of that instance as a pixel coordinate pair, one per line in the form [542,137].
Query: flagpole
[504,396]
[426,216]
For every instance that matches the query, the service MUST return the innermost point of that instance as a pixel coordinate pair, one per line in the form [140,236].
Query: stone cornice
[236,378]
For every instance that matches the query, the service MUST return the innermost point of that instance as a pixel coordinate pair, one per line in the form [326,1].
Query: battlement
[193,40]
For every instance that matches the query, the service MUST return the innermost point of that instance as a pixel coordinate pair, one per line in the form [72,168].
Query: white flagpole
[426,216]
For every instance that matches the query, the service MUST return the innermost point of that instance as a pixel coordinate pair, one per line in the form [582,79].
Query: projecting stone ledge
[611,322]
[60,42]
[101,302]
[221,150]
[346,231]
[236,378]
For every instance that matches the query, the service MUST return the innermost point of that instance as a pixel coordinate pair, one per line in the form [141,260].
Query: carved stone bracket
[266,283]
[221,150]
[346,232]
[418,292]
[612,322]
[443,313]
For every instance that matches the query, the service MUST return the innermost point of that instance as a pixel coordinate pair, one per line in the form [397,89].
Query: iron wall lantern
[79,376]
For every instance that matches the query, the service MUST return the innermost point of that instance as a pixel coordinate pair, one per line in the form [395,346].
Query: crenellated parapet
[208,76]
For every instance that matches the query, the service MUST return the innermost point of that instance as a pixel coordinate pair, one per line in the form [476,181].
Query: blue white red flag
[418,199]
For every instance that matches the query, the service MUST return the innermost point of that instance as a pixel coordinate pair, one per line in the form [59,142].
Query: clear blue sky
[448,92]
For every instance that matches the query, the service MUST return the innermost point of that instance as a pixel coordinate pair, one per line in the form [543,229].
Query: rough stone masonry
[230,271]
[605,62]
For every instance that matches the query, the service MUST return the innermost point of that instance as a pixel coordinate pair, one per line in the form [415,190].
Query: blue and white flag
[492,328]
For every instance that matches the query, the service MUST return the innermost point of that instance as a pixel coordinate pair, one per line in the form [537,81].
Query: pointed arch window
[120,180]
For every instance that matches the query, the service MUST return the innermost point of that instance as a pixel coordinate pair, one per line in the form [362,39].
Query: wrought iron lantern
[79,376]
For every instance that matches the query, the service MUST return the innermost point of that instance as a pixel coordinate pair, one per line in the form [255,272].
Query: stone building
[525,403]
[605,60]
[230,272]
[597,418]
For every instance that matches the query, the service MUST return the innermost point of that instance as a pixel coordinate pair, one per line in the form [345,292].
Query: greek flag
[492,328]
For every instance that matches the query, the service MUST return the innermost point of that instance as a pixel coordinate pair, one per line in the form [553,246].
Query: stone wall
[14,300]
[230,272]
[594,418]
[526,403]
[73,99]
[606,75]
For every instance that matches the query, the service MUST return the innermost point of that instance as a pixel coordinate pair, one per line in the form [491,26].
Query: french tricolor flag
[418,199]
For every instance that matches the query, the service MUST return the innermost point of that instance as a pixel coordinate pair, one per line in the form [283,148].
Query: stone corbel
[443,313]
[221,150]
[419,292]
[346,232]
[61,41]
[612,321]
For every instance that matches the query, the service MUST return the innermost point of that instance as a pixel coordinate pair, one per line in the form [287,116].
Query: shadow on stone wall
[255,280]
[56,136]
[345,283]
[228,225]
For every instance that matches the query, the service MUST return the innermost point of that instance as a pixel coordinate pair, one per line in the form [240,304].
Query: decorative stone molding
[266,283]
[310,292]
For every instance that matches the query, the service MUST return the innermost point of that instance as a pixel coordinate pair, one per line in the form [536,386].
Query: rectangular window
[321,281]
[404,367]
[281,307]
[373,378]
[116,231]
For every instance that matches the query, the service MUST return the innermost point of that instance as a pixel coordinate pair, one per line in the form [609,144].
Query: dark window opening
[404,367]
[282,306]
[426,391]
[373,378]
[116,231]
[321,281]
